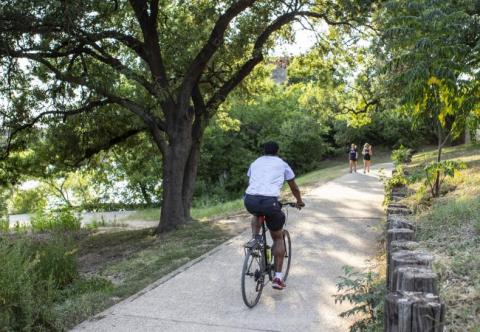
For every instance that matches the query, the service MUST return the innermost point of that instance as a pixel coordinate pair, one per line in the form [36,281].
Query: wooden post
[396,198]
[398,210]
[397,205]
[399,234]
[397,246]
[403,245]
[415,279]
[396,221]
[406,258]
[413,312]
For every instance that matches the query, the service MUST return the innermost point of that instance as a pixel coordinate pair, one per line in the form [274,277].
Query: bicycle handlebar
[291,204]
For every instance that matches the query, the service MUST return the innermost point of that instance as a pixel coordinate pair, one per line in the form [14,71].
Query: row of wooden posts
[412,303]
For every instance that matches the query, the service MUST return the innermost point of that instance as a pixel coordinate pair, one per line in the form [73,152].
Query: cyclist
[266,177]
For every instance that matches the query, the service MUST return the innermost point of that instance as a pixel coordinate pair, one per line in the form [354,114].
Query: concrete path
[338,227]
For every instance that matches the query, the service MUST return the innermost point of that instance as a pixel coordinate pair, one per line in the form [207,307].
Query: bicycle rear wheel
[253,278]
[288,254]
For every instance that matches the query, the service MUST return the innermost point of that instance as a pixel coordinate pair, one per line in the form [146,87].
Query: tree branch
[148,24]
[149,119]
[86,108]
[109,144]
[215,40]
[257,54]
[121,68]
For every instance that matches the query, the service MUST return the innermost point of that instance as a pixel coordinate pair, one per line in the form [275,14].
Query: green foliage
[4,225]
[366,291]
[60,221]
[27,201]
[402,155]
[30,278]
[397,180]
[24,298]
[436,172]
[56,261]
[235,139]
[450,229]
[428,49]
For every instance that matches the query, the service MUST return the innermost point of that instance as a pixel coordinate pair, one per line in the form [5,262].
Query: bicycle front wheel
[253,278]
[288,254]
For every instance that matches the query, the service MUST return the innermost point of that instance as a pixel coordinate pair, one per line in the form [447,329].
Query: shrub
[25,299]
[63,220]
[31,277]
[27,201]
[56,261]
[366,292]
[402,155]
[397,180]
[4,225]
[437,172]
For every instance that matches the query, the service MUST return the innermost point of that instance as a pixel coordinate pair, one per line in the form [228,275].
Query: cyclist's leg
[275,221]
[255,226]
[252,206]
[278,249]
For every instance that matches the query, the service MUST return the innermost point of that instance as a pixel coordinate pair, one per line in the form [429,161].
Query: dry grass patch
[450,228]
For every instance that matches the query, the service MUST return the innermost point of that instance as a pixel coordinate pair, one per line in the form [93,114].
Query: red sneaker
[278,283]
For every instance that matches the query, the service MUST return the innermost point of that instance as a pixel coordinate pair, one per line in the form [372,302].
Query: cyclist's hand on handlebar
[300,205]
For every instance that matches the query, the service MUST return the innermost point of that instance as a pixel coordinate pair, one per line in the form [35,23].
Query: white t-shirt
[267,175]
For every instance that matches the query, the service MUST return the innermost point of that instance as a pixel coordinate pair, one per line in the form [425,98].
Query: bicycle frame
[256,253]
[267,268]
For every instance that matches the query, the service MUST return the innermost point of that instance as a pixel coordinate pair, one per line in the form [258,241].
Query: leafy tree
[431,54]
[430,50]
[104,71]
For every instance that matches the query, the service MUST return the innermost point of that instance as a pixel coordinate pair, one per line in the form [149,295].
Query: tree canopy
[95,73]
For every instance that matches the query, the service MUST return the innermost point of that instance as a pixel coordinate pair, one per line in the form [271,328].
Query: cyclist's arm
[296,192]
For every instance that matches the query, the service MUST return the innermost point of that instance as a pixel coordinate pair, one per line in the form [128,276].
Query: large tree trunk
[189,178]
[192,164]
[175,160]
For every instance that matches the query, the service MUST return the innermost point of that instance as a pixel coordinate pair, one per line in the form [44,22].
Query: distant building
[279,74]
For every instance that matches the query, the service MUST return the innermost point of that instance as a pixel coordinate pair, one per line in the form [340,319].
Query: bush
[31,277]
[437,172]
[4,225]
[25,298]
[61,221]
[402,155]
[27,201]
[397,180]
[56,261]
[366,292]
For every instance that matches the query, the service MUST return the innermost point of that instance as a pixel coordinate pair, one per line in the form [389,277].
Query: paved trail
[337,228]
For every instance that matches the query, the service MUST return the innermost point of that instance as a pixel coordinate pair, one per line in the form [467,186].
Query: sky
[304,40]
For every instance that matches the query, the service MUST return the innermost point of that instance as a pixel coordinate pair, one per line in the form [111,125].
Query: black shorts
[366,157]
[268,207]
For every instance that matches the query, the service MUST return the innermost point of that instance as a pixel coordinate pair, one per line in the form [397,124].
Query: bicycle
[258,263]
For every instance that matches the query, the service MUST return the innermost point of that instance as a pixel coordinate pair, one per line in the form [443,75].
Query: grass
[135,260]
[328,170]
[467,153]
[450,228]
[117,264]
